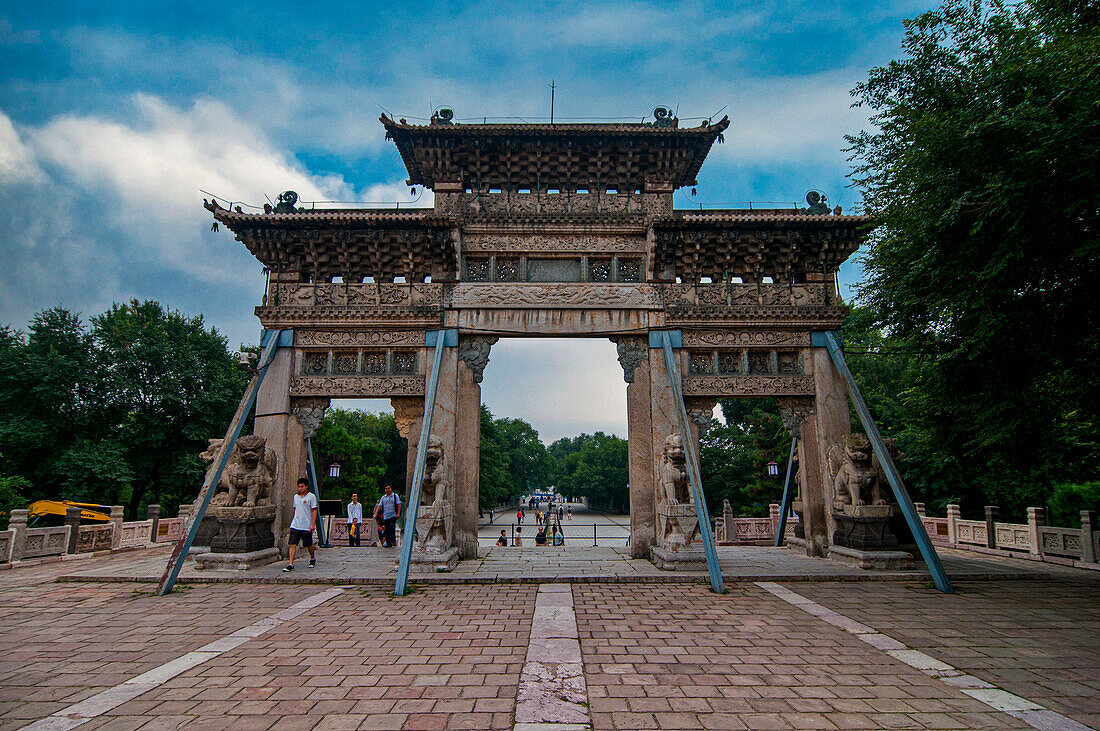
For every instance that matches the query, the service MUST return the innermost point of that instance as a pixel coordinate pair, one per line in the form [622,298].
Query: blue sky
[113,115]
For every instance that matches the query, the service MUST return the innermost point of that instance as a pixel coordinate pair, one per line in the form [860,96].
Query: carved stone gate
[551,230]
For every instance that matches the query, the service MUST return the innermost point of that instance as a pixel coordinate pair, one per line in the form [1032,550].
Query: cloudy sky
[113,115]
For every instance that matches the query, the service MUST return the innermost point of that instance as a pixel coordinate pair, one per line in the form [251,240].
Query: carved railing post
[920,509]
[1088,545]
[954,514]
[1036,518]
[992,512]
[153,513]
[116,525]
[72,519]
[17,523]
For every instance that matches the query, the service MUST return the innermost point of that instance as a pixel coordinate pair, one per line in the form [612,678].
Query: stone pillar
[833,423]
[72,519]
[774,511]
[1088,525]
[954,514]
[408,413]
[184,510]
[473,356]
[799,415]
[116,526]
[153,515]
[634,358]
[663,423]
[992,512]
[17,522]
[920,509]
[284,435]
[1036,517]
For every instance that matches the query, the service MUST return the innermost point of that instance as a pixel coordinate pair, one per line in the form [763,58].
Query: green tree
[172,384]
[344,437]
[13,491]
[982,174]
[596,467]
[733,457]
[513,460]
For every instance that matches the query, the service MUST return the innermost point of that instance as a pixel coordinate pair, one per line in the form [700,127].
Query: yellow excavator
[88,511]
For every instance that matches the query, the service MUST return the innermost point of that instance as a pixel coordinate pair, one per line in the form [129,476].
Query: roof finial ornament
[285,202]
[818,203]
[662,117]
[443,115]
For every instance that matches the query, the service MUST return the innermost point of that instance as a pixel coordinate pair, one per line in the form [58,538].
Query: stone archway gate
[552,230]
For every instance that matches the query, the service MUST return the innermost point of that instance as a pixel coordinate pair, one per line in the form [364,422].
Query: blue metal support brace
[315,488]
[438,339]
[788,496]
[707,537]
[927,550]
[272,341]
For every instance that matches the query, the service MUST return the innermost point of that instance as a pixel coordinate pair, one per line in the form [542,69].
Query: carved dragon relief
[633,351]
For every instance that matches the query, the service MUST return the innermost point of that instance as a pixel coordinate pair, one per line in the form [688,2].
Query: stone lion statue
[673,473]
[252,475]
[851,467]
[435,489]
[221,490]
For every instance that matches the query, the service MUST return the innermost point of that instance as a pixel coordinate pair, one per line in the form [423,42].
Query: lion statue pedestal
[239,521]
[678,547]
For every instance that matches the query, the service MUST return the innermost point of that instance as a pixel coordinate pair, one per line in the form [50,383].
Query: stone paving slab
[541,564]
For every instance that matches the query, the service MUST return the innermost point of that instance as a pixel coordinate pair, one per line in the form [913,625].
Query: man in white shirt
[355,521]
[305,519]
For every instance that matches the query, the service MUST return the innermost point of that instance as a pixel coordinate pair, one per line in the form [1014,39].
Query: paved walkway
[573,563]
[808,654]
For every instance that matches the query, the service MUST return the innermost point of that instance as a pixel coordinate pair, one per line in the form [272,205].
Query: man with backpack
[389,508]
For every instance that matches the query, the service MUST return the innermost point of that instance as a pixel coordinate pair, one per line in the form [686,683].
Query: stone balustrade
[747,531]
[1034,539]
[19,542]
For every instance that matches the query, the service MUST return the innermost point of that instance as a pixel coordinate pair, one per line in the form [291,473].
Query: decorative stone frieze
[744,338]
[310,413]
[352,338]
[563,243]
[632,352]
[573,296]
[748,386]
[474,352]
[357,386]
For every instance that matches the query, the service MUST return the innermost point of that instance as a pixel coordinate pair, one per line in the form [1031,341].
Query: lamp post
[773,468]
[334,470]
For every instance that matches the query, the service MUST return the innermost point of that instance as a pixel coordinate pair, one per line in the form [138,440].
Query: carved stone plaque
[357,386]
[724,386]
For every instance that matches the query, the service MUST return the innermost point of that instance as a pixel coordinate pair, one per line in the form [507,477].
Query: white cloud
[17,163]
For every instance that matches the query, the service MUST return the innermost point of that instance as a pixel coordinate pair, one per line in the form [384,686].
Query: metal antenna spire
[552,88]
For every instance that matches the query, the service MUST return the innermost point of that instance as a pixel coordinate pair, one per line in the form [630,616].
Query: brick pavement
[679,657]
[1039,640]
[655,655]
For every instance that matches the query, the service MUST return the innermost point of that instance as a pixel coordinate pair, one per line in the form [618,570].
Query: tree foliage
[594,466]
[733,457]
[982,174]
[513,460]
[116,412]
[369,449]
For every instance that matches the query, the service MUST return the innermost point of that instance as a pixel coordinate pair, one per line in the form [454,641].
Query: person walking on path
[390,506]
[519,516]
[569,511]
[490,516]
[561,513]
[355,521]
[503,540]
[303,523]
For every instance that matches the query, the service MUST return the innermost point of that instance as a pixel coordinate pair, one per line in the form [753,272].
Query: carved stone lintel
[357,386]
[748,386]
[632,351]
[474,352]
[405,412]
[795,410]
[310,413]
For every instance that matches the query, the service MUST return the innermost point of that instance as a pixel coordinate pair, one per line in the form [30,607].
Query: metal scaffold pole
[696,480]
[788,495]
[408,536]
[927,550]
[221,459]
[315,488]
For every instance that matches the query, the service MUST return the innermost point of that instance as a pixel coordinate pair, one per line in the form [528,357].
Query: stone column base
[432,562]
[238,561]
[872,560]
[686,559]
